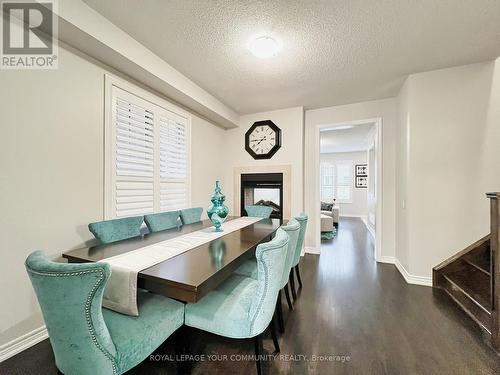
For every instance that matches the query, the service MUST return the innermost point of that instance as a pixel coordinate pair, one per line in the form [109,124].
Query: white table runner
[120,293]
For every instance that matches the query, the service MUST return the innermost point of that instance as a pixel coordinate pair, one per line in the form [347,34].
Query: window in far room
[336,181]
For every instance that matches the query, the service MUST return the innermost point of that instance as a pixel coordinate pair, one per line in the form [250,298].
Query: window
[327,182]
[336,181]
[147,153]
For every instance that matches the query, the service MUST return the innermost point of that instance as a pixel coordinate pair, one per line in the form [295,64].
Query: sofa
[331,210]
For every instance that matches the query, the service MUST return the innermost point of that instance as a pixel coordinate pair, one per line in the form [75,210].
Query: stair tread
[479,260]
[474,283]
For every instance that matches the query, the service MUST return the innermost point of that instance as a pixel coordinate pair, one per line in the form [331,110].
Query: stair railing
[495,268]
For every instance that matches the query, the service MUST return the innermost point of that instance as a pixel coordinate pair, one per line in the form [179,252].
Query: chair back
[292,229]
[302,219]
[162,221]
[70,296]
[259,211]
[191,215]
[117,229]
[270,265]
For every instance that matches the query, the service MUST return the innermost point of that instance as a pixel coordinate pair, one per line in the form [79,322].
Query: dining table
[188,276]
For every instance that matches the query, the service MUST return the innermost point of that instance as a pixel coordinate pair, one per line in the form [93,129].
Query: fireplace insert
[264,189]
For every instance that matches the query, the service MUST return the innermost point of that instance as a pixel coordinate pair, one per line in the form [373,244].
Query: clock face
[263,139]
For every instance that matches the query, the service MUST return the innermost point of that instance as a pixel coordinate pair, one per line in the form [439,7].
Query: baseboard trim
[22,343]
[368,227]
[412,279]
[311,250]
[349,215]
[386,259]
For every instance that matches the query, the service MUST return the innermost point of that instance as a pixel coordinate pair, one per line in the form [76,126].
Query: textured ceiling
[334,51]
[357,138]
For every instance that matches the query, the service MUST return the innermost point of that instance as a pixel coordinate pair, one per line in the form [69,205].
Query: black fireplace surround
[264,189]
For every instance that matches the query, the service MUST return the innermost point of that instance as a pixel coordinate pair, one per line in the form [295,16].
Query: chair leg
[297,271]
[279,311]
[258,353]
[272,326]
[181,342]
[287,295]
[292,285]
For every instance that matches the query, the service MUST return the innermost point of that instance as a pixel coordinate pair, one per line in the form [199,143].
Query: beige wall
[291,123]
[207,162]
[358,206]
[51,162]
[385,109]
[448,158]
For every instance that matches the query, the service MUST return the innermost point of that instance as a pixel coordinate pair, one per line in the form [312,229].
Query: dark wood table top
[192,274]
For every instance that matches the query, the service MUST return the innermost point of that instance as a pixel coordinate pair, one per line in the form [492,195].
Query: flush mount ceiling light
[264,47]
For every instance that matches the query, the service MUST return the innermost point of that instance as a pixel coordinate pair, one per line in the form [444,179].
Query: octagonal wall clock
[263,139]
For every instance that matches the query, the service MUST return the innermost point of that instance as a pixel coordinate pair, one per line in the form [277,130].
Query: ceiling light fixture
[264,47]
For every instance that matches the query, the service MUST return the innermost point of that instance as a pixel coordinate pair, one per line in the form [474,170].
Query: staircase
[469,278]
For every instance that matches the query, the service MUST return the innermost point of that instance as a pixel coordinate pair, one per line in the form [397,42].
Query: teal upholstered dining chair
[162,221]
[259,211]
[249,268]
[242,307]
[117,229]
[302,219]
[87,339]
[191,215]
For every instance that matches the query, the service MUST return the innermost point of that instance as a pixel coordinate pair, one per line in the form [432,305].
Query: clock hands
[258,140]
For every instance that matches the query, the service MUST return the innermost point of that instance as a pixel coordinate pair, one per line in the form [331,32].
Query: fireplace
[263,189]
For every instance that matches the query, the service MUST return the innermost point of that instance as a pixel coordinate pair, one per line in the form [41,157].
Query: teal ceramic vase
[217,212]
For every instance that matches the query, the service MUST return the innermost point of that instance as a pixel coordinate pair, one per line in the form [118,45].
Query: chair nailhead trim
[259,306]
[88,305]
[266,278]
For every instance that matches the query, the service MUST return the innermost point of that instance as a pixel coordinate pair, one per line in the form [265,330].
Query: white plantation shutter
[173,148]
[173,162]
[147,157]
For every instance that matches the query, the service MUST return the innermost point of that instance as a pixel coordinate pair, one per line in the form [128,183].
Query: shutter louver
[173,163]
[173,196]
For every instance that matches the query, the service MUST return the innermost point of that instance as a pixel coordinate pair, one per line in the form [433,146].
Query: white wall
[371,193]
[291,123]
[385,109]
[51,162]
[207,157]
[403,149]
[447,159]
[358,206]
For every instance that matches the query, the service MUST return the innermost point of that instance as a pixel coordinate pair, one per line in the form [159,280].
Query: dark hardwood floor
[349,306]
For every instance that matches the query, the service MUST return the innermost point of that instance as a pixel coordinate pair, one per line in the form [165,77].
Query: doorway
[348,177]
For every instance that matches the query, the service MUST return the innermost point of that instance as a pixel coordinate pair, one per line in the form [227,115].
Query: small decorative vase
[217,212]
